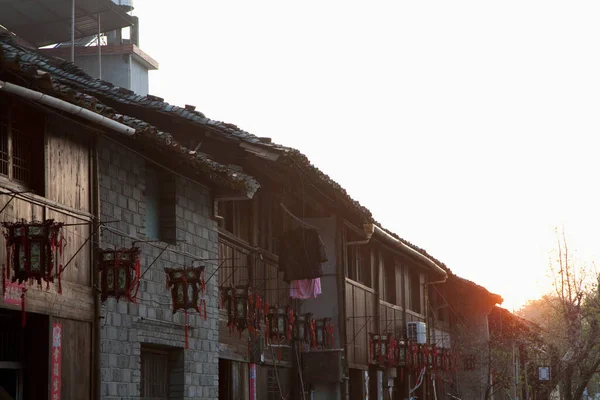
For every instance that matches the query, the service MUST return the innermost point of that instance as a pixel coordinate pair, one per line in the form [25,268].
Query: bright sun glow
[467,127]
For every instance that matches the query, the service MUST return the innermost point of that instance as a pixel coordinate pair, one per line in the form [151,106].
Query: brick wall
[125,325]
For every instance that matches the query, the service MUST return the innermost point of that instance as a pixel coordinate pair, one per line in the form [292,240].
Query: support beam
[72,31]
[99,51]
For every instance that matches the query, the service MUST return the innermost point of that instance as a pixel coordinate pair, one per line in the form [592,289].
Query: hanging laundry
[301,253]
[305,289]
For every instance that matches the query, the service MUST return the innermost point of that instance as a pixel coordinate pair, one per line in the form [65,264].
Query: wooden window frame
[236,217]
[360,264]
[415,292]
[389,280]
[26,143]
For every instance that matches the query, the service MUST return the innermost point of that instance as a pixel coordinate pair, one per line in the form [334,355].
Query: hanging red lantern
[391,356]
[290,321]
[119,273]
[241,298]
[313,333]
[227,302]
[278,323]
[31,251]
[375,349]
[255,314]
[401,352]
[187,286]
[301,330]
[330,330]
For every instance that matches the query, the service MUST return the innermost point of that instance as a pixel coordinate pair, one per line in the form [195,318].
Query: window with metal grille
[22,144]
[155,374]
[272,385]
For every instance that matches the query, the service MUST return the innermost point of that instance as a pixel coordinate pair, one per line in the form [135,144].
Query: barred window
[22,144]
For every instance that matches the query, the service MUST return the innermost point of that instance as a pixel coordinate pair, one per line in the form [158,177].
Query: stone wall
[129,328]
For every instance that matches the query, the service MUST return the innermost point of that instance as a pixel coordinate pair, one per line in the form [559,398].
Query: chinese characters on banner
[56,360]
[13,292]
[252,381]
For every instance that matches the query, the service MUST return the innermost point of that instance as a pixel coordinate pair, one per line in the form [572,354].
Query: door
[23,349]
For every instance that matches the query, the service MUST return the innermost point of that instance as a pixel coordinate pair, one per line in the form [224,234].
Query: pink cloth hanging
[305,288]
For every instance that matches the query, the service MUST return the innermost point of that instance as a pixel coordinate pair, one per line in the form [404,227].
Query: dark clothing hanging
[301,253]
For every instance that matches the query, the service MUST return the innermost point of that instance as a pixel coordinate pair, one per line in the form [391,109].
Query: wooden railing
[390,318]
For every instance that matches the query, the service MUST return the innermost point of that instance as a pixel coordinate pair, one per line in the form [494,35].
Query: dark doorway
[24,355]
[9,383]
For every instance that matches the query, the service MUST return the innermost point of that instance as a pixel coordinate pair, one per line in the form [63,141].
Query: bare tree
[571,321]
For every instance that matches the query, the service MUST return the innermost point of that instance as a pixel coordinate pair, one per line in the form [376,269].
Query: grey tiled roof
[27,64]
[69,75]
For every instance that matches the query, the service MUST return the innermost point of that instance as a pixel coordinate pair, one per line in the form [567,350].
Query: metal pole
[73,31]
[99,51]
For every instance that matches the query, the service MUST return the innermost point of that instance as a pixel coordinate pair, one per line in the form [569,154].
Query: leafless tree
[571,319]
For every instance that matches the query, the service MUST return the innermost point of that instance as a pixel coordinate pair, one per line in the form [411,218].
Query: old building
[117,183]
[459,324]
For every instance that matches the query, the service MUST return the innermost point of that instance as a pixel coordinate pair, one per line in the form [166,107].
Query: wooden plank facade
[53,178]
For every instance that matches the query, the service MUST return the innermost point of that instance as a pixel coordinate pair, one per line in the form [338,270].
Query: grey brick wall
[127,326]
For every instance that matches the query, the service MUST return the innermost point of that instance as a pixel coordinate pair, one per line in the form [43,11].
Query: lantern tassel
[3,280]
[59,285]
[205,313]
[7,260]
[23,313]
[187,344]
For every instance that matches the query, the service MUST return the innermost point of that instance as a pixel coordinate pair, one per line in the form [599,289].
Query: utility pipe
[66,107]
[407,249]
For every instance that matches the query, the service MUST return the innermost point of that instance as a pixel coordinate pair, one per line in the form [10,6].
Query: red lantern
[227,302]
[119,273]
[30,251]
[278,323]
[401,352]
[301,329]
[241,300]
[324,331]
[392,355]
[187,285]
[186,288]
[255,313]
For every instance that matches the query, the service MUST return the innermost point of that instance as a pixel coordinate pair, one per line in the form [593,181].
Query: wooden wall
[68,164]
[76,358]
[67,200]
[360,320]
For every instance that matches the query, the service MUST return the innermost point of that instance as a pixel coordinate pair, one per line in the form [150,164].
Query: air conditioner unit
[416,331]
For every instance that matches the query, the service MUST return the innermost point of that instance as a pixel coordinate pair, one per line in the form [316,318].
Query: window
[270,223]
[233,380]
[414,280]
[161,373]
[236,218]
[359,264]
[22,145]
[160,205]
[389,280]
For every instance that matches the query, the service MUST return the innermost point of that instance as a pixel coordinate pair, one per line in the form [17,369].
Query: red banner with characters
[56,361]
[12,293]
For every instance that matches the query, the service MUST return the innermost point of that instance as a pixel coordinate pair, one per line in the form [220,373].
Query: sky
[468,128]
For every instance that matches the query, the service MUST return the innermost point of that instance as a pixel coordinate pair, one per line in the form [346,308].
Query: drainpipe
[66,107]
[96,274]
